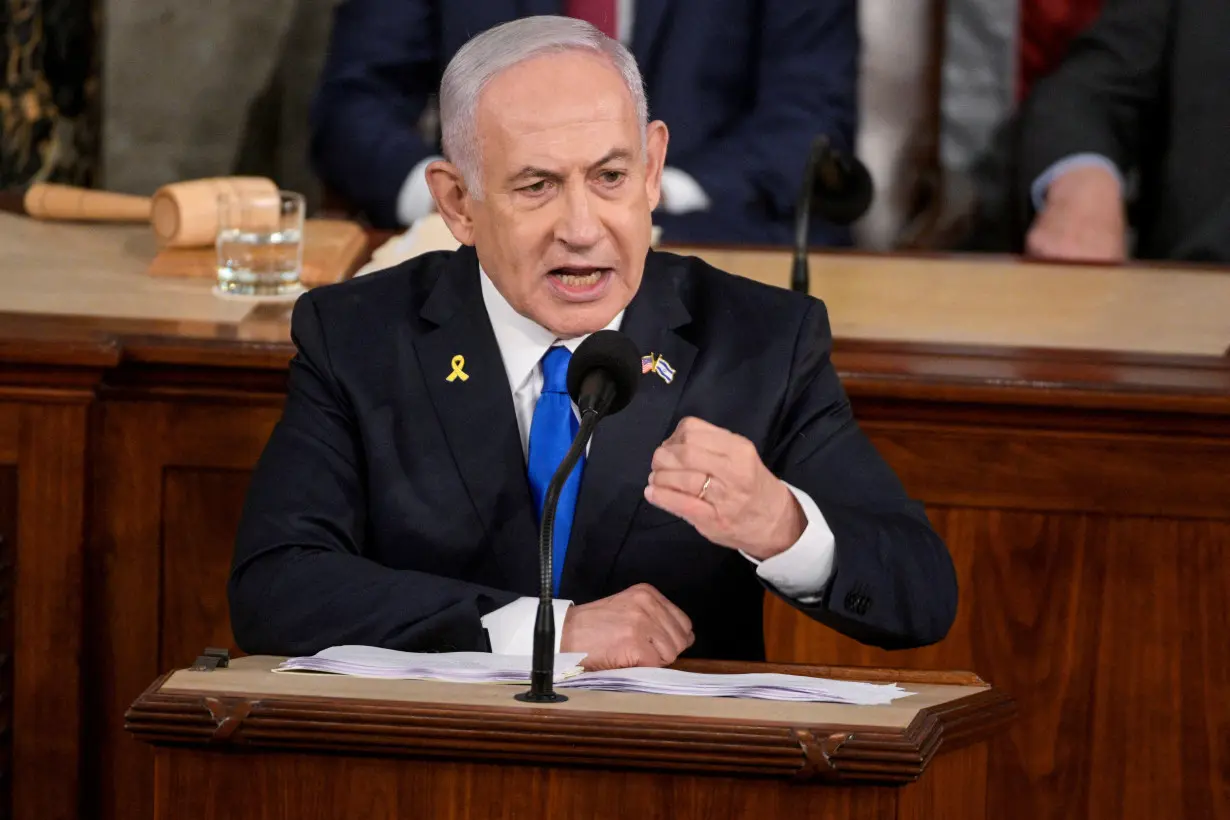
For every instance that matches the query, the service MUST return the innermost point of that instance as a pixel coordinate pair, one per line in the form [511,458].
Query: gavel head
[185,214]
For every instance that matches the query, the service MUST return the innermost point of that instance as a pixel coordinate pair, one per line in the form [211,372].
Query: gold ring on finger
[705,487]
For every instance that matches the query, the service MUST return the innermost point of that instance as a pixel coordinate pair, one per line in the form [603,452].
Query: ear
[448,189]
[656,138]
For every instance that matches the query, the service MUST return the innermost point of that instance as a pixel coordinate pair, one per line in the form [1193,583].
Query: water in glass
[260,246]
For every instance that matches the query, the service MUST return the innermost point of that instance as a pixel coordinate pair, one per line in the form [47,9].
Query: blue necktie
[551,434]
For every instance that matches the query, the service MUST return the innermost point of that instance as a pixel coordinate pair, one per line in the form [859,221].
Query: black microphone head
[843,189]
[616,356]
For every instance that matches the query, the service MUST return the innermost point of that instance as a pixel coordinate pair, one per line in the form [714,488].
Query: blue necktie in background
[551,433]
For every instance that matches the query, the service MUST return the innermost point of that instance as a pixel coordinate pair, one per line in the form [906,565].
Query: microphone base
[540,697]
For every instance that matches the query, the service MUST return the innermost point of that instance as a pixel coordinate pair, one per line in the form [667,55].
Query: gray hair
[481,59]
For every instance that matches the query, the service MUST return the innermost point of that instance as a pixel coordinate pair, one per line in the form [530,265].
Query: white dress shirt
[681,193]
[800,572]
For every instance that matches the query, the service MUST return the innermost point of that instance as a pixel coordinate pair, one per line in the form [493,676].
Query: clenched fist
[636,627]
[714,479]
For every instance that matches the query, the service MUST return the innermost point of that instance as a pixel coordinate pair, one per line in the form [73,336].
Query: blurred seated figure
[1134,123]
[744,85]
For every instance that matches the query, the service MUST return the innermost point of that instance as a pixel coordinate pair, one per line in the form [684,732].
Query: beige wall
[203,89]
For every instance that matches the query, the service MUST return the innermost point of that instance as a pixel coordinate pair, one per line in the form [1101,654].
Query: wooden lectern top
[249,705]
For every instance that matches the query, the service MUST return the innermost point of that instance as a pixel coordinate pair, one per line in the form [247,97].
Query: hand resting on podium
[636,627]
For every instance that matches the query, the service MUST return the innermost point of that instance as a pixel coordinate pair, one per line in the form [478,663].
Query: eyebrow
[532,172]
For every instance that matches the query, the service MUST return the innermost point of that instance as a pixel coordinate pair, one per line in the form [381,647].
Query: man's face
[564,223]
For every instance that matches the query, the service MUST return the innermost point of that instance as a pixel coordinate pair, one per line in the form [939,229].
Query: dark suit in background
[743,85]
[391,506]
[1146,87]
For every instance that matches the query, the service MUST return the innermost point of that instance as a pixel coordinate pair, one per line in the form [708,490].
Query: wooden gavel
[182,214]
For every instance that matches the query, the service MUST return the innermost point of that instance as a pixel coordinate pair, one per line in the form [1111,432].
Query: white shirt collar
[521,340]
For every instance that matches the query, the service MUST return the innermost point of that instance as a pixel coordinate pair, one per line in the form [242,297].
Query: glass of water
[260,243]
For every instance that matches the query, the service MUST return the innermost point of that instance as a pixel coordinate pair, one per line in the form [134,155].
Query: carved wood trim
[690,745]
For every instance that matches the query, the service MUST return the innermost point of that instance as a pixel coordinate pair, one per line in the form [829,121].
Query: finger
[677,627]
[691,457]
[703,434]
[677,615]
[655,653]
[699,513]
[663,631]
[696,425]
[685,481]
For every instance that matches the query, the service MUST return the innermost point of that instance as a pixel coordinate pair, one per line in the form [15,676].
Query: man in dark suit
[397,501]
[1141,94]
[744,85]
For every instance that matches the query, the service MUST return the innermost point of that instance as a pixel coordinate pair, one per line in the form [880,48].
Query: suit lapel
[478,418]
[618,463]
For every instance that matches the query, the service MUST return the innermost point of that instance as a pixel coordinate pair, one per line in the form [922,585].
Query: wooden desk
[1068,428]
[247,742]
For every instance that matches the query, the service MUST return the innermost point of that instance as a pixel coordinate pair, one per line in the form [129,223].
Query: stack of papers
[483,667]
[455,667]
[759,685]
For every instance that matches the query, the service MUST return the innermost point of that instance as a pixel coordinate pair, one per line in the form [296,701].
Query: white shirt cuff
[414,201]
[1038,190]
[681,193]
[802,571]
[511,628]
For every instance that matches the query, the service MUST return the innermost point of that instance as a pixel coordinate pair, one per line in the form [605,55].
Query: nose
[579,226]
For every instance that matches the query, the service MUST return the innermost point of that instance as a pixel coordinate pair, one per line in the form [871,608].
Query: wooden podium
[247,742]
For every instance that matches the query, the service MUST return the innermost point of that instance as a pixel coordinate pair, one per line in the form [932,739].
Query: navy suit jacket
[743,85]
[391,506]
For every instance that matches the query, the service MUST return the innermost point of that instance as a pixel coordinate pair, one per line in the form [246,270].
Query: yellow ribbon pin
[458,363]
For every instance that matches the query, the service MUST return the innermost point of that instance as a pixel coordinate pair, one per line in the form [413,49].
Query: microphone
[602,379]
[841,190]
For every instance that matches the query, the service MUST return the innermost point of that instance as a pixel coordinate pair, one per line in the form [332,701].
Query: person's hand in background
[1083,220]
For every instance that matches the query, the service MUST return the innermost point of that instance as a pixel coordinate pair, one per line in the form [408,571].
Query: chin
[569,320]
[568,316]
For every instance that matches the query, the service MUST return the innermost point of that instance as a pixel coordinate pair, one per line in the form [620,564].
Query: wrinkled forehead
[557,103]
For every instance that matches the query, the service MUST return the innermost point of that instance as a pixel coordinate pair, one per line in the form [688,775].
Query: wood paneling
[1110,635]
[10,433]
[200,517]
[1029,469]
[1163,671]
[196,785]
[122,628]
[8,546]
[48,594]
[955,786]
[168,484]
[1093,570]
[1028,614]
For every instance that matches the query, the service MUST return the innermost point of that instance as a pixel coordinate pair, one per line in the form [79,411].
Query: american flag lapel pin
[647,364]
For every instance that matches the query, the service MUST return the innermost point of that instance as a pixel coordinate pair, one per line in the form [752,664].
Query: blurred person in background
[744,86]
[1141,98]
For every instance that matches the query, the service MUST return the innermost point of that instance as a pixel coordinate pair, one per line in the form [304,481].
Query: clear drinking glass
[260,243]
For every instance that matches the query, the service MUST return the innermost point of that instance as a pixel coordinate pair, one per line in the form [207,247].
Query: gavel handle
[44,200]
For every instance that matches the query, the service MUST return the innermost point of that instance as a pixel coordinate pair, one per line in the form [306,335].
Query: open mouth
[580,282]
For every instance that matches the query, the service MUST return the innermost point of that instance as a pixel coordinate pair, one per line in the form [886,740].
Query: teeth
[580,280]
